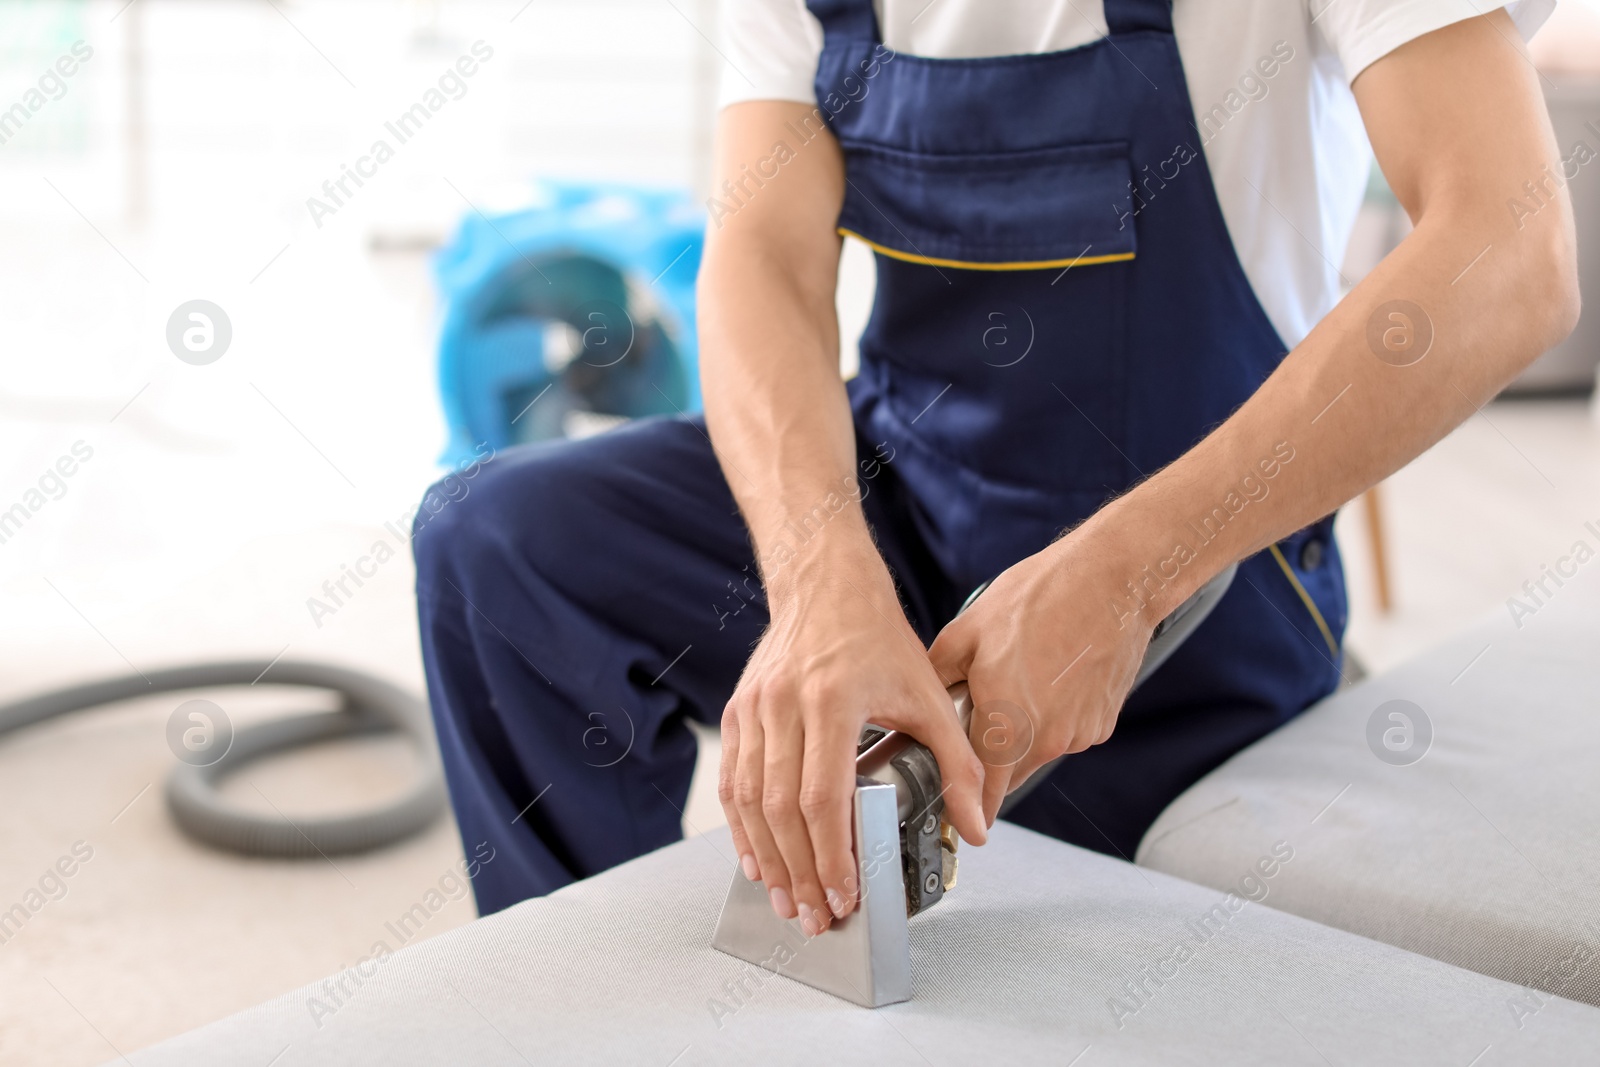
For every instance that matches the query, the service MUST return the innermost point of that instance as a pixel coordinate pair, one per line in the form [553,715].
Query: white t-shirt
[1288,153]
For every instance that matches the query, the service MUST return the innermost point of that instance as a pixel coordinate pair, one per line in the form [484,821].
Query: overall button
[1311,554]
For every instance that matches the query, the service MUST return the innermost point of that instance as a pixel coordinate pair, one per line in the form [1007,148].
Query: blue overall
[1059,313]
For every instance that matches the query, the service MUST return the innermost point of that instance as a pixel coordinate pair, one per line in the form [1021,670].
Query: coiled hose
[368,706]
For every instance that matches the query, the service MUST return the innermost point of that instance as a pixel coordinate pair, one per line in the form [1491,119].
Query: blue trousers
[583,599]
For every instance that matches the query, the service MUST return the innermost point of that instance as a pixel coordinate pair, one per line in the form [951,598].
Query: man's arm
[838,649]
[1458,124]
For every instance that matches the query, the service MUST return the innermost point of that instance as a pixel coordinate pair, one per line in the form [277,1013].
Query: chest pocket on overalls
[999,328]
[1041,208]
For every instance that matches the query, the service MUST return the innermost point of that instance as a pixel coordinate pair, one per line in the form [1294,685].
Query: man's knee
[482,515]
[455,521]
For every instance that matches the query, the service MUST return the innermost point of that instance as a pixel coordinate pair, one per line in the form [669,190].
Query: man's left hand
[1049,652]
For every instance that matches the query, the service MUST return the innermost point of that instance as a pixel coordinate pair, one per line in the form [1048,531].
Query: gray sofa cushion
[1484,853]
[1042,952]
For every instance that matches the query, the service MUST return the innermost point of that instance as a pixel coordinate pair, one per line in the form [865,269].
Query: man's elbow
[1569,305]
[1552,286]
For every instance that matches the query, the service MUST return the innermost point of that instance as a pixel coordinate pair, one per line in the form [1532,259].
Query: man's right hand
[834,658]
[838,650]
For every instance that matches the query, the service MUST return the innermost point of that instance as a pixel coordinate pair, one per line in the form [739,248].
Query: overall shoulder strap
[846,20]
[1130,16]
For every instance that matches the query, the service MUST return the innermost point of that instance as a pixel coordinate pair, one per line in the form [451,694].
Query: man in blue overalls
[1071,332]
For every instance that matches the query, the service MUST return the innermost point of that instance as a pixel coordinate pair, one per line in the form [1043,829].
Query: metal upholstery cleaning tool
[905,853]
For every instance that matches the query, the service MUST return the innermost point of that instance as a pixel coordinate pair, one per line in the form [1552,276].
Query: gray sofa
[1483,850]
[1309,902]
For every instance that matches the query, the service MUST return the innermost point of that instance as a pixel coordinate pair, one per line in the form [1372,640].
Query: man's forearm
[778,416]
[1469,298]
[775,405]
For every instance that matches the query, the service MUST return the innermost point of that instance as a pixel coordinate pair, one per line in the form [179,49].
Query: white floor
[207,517]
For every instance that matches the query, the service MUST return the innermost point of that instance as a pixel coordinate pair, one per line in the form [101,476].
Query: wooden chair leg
[1372,503]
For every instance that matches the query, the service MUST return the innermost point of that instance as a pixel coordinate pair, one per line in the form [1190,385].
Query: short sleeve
[1361,32]
[769,51]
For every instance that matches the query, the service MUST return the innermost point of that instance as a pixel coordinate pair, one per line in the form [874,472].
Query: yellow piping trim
[1038,264]
[1305,597]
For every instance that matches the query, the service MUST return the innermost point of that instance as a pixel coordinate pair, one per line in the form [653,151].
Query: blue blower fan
[568,317]
[560,320]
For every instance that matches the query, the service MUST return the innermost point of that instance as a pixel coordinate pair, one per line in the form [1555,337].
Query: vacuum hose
[369,706]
